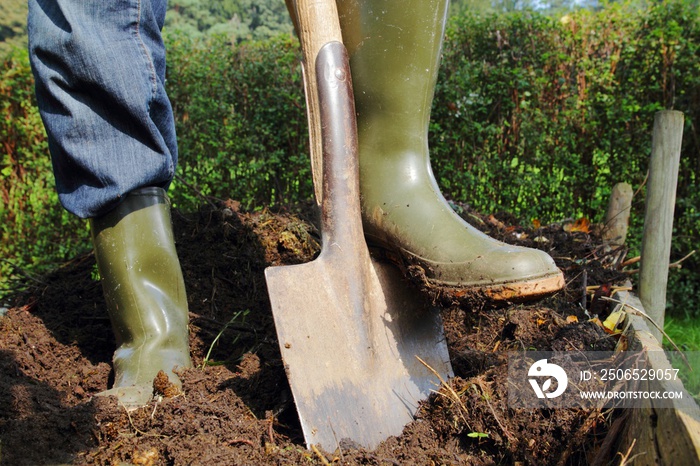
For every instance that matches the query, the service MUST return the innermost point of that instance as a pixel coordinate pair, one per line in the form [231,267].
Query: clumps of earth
[236,408]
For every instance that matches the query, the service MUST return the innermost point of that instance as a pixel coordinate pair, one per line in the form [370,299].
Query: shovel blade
[350,329]
[352,363]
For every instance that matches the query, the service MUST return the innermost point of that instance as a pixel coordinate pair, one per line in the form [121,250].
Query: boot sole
[519,291]
[531,288]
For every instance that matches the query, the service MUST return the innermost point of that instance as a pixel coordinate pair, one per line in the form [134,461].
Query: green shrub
[36,234]
[241,120]
[540,117]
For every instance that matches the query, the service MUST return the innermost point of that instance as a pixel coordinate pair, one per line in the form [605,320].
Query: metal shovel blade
[350,328]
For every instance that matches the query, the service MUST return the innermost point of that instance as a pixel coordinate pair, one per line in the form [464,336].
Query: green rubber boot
[145,294]
[394,49]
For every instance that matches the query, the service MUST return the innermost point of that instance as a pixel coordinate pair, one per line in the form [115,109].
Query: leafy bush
[541,117]
[241,120]
[35,233]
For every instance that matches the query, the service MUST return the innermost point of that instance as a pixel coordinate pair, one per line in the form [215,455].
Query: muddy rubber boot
[394,49]
[145,294]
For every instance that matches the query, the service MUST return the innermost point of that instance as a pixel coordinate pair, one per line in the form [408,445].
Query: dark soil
[56,345]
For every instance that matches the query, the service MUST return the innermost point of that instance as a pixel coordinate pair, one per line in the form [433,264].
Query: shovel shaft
[316,23]
[341,220]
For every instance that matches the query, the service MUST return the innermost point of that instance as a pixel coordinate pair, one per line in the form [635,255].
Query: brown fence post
[658,217]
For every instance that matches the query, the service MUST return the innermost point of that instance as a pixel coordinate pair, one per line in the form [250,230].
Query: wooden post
[618,216]
[658,217]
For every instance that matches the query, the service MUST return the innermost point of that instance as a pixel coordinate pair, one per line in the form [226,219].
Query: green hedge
[35,233]
[533,115]
[540,117]
[241,120]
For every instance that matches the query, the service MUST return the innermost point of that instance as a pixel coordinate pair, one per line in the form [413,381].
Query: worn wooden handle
[316,23]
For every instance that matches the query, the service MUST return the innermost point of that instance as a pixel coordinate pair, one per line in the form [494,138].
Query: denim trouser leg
[100,71]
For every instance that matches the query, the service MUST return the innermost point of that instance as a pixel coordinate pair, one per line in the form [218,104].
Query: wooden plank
[667,436]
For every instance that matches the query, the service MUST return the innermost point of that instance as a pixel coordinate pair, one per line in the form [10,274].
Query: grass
[686,334]
[207,361]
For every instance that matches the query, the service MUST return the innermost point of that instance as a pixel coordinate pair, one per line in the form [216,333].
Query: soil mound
[56,346]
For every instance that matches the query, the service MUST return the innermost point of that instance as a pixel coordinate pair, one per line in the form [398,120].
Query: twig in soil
[584,297]
[320,455]
[634,311]
[238,327]
[241,440]
[620,258]
[613,289]
[675,265]
[625,459]
[631,261]
[646,178]
[133,426]
[270,430]
[213,292]
[511,438]
[454,396]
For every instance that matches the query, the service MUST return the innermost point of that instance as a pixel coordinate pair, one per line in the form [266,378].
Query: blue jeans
[99,67]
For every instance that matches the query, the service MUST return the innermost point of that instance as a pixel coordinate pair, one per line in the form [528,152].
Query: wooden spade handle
[316,23]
